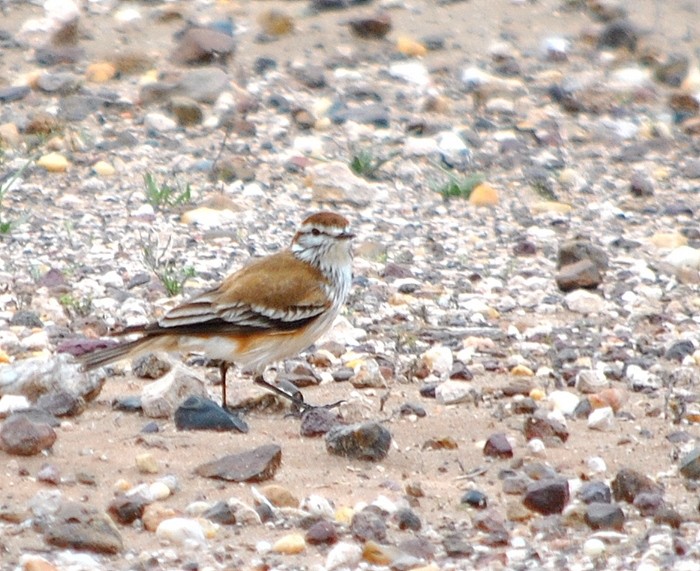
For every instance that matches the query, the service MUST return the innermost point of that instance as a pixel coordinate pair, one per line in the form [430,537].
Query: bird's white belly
[256,353]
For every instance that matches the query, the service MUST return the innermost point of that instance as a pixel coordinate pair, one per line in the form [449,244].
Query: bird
[270,309]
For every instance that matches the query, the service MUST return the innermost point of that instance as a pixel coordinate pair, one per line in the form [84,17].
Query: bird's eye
[315,232]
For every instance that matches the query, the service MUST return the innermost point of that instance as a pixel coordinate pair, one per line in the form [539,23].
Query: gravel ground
[525,312]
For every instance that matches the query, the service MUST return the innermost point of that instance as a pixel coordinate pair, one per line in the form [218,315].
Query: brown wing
[277,292]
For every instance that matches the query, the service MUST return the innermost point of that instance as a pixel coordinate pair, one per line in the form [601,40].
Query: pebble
[181,531]
[629,483]
[343,555]
[594,491]
[690,464]
[453,392]
[498,446]
[368,441]
[290,544]
[158,123]
[584,302]
[484,195]
[255,465]
[548,496]
[146,463]
[604,516]
[602,419]
[53,162]
[78,526]
[198,413]
[161,398]
[20,436]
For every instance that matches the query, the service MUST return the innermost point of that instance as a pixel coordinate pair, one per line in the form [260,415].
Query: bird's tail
[108,355]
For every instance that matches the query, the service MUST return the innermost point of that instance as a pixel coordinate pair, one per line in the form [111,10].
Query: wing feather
[274,293]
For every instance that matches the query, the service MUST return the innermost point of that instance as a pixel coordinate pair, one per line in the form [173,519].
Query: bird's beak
[346,236]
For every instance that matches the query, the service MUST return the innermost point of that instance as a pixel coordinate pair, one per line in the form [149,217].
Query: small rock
[276,23]
[368,441]
[161,398]
[334,182]
[279,496]
[594,491]
[438,359]
[584,302]
[648,504]
[343,555]
[203,46]
[545,427]
[547,496]
[254,465]
[619,33]
[156,123]
[322,533]
[368,375]
[602,419]
[104,169]
[690,465]
[146,463]
[150,366]
[20,436]
[181,531]
[100,72]
[61,403]
[53,162]
[582,274]
[198,413]
[49,474]
[367,525]
[407,519]
[318,421]
[484,195]
[290,544]
[591,381]
[452,392]
[629,483]
[475,499]
[457,545]
[187,111]
[604,516]
[498,446]
[641,185]
[126,509]
[80,527]
[371,27]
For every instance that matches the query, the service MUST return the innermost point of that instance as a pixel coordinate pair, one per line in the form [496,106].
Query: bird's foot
[294,395]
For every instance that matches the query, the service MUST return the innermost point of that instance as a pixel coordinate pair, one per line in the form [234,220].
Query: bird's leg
[297,401]
[223,367]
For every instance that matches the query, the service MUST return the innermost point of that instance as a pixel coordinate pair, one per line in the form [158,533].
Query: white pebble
[438,359]
[684,257]
[343,555]
[318,506]
[584,302]
[453,392]
[180,530]
[159,122]
[11,403]
[601,419]
[158,491]
[35,341]
[537,447]
[596,465]
[412,72]
[593,548]
[563,402]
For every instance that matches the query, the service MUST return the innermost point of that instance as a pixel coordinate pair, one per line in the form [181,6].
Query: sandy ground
[103,443]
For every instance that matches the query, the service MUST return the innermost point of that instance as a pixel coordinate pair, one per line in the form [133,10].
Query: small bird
[269,310]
